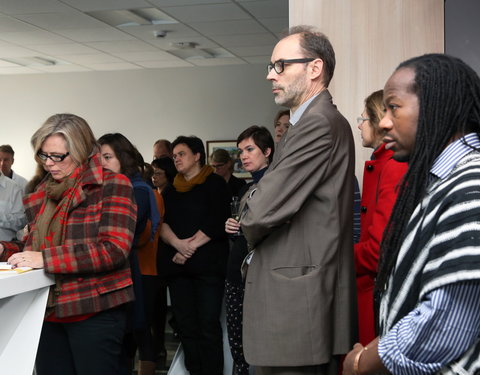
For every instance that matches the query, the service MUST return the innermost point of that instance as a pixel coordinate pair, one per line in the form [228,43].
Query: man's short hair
[165,142]
[7,149]
[316,45]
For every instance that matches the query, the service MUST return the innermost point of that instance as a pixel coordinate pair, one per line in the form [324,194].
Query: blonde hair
[375,110]
[79,138]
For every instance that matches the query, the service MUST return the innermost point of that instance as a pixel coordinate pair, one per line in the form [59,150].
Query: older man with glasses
[299,307]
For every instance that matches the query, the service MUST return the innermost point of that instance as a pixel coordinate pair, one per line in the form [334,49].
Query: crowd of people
[306,289]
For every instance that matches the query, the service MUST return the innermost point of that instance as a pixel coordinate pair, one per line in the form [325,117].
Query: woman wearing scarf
[256,152]
[121,156]
[194,259]
[81,221]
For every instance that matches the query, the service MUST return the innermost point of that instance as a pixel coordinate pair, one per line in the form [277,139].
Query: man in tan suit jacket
[299,307]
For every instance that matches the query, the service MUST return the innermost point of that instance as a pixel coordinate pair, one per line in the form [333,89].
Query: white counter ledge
[23,299]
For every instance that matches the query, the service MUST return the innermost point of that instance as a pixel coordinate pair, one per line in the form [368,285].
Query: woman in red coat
[381,176]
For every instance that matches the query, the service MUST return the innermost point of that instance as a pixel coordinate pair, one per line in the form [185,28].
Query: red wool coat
[92,261]
[381,176]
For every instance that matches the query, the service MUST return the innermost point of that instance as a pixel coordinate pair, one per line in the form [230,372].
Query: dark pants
[196,306]
[160,318]
[88,347]
[144,338]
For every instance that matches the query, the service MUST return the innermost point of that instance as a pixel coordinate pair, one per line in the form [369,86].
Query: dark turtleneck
[257,175]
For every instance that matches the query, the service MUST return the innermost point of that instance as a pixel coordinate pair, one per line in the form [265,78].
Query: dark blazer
[300,302]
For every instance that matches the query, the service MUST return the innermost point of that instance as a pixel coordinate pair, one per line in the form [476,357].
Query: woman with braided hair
[429,272]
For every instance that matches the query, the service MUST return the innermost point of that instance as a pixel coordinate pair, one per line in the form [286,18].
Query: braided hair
[448,94]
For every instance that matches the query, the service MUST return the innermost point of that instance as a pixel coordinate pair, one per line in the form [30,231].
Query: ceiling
[51,36]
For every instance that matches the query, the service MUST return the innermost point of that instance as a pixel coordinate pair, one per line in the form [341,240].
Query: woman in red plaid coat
[81,225]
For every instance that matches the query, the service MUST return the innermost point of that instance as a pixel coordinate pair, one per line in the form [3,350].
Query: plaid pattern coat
[91,264]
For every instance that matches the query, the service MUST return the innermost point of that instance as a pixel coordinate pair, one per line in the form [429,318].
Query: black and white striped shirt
[430,313]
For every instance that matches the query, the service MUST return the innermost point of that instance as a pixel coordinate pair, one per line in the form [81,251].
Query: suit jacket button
[363,209]
[369,167]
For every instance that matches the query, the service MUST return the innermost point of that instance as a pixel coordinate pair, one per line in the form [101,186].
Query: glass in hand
[235,211]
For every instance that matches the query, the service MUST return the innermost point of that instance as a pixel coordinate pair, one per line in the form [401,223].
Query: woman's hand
[1,249]
[179,259]
[185,247]
[32,259]
[232,226]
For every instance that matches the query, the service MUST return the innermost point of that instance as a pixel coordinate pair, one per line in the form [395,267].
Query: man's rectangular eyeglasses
[55,158]
[279,65]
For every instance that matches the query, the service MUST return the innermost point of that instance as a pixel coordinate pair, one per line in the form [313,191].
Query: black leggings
[152,291]
[234,309]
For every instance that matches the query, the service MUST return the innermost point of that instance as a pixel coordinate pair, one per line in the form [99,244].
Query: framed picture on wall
[231,147]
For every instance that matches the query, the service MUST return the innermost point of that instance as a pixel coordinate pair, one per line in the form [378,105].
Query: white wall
[214,103]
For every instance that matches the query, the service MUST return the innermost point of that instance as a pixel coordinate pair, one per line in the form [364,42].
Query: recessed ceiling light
[133,17]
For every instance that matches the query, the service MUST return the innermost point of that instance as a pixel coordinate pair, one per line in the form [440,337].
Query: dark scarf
[138,182]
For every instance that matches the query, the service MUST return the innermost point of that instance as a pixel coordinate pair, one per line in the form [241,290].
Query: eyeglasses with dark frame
[55,158]
[279,65]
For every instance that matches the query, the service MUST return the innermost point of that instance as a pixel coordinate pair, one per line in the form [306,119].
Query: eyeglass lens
[54,158]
